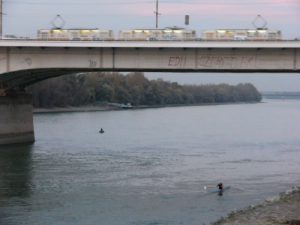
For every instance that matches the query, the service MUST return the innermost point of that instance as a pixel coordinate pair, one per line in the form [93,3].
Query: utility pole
[1,15]
[156,14]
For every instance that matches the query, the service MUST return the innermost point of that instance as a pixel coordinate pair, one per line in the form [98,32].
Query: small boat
[220,191]
[216,190]
[101,131]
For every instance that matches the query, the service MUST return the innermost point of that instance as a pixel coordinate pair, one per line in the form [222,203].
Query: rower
[220,187]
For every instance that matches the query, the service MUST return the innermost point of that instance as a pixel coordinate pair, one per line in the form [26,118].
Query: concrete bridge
[24,62]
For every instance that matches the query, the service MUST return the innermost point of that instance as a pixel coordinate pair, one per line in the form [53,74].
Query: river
[150,166]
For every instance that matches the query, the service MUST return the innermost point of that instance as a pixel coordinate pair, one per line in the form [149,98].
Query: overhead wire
[126,2]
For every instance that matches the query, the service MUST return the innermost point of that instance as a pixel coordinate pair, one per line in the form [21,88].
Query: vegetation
[134,88]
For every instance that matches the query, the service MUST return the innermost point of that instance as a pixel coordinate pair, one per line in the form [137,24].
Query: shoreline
[283,209]
[95,108]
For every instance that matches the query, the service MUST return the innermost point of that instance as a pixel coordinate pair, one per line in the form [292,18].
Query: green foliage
[134,88]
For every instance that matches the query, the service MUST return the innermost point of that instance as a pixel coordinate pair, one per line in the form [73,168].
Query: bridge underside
[17,81]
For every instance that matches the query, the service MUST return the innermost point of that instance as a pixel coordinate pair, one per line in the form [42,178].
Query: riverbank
[93,108]
[284,209]
[74,109]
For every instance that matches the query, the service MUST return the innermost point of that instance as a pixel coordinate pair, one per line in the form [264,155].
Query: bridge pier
[16,119]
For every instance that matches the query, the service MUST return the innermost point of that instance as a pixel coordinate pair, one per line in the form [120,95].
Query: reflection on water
[15,178]
[15,171]
[150,166]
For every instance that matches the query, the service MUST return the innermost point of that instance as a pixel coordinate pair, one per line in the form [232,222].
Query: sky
[25,17]
[264,82]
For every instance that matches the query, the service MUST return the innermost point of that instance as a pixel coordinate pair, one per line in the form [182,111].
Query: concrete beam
[147,59]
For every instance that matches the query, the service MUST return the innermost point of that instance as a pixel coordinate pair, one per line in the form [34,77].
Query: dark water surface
[150,166]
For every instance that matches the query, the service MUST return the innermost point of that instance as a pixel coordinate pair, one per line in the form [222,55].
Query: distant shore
[285,209]
[74,109]
[93,108]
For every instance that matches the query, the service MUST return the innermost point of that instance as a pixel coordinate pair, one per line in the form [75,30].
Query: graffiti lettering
[92,63]
[230,62]
[28,61]
[177,61]
[248,61]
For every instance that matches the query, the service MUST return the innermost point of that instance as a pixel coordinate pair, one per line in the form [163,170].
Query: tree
[134,88]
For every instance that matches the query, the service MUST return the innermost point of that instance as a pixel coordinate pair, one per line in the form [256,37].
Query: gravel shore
[285,209]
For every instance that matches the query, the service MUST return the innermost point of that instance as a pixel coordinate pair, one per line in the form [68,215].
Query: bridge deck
[24,62]
[152,44]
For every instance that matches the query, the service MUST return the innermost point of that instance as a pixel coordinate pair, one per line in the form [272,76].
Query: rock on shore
[284,209]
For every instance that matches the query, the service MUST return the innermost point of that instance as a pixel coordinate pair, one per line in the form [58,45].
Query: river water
[150,166]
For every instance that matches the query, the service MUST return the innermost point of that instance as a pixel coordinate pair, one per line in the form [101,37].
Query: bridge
[25,62]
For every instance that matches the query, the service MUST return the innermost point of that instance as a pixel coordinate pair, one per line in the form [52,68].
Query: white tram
[75,34]
[242,34]
[169,33]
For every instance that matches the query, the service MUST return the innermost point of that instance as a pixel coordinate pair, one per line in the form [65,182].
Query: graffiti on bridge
[177,61]
[92,63]
[213,61]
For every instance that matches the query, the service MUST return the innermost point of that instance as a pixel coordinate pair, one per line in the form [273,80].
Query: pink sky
[280,14]
[270,7]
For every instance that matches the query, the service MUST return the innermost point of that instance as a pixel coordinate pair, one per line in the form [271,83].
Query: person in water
[101,131]
[220,187]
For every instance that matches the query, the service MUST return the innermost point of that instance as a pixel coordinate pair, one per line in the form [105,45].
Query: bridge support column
[16,119]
